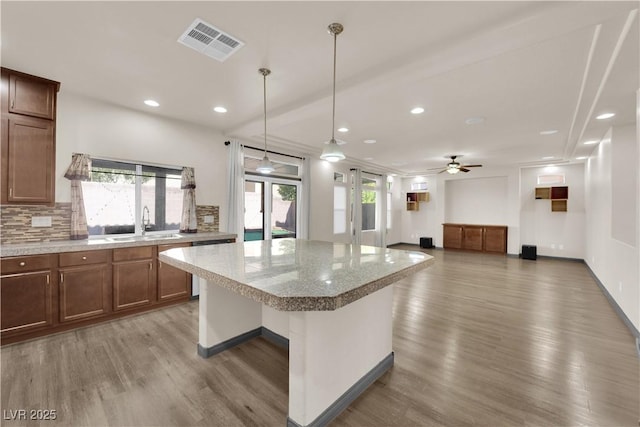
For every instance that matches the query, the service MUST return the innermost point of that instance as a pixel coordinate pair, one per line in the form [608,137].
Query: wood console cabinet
[27,294]
[471,237]
[28,106]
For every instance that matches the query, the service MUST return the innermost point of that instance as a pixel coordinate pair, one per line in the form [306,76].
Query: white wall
[613,261]
[476,201]
[88,126]
[427,222]
[559,234]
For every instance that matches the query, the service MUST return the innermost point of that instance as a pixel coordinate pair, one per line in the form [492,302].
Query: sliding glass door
[271,208]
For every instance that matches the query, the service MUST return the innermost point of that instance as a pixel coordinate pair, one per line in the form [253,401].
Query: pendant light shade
[265,166]
[332,152]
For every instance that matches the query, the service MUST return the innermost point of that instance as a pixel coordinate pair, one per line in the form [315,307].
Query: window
[123,197]
[369,194]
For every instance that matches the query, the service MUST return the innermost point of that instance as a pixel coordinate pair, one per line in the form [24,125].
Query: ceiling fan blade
[464,169]
[471,166]
[443,170]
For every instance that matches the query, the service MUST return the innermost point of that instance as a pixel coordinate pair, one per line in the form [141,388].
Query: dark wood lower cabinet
[172,282]
[43,294]
[84,292]
[472,237]
[27,302]
[132,284]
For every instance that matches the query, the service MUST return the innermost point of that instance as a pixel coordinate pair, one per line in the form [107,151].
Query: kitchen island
[331,303]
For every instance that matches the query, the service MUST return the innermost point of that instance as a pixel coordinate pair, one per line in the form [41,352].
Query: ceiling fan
[455,167]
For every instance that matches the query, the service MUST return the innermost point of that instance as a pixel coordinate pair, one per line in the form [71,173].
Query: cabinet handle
[47,279]
[61,278]
[150,266]
[22,263]
[84,258]
[13,102]
[10,192]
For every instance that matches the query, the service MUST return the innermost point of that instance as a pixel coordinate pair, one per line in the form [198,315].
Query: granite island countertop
[296,274]
[108,242]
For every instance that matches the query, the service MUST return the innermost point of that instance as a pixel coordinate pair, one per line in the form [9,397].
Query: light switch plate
[208,219]
[41,221]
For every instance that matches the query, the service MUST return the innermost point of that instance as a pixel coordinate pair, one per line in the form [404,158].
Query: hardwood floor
[478,339]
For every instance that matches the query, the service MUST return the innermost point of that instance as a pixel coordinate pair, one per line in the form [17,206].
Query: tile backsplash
[206,212]
[16,222]
[16,227]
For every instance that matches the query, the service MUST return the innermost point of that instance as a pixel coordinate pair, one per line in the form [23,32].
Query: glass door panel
[283,210]
[253,210]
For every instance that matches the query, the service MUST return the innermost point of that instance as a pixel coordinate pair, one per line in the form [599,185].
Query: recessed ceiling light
[220,109]
[474,120]
[591,142]
[152,103]
[604,116]
[370,141]
[548,132]
[343,129]
[547,158]
[417,110]
[581,158]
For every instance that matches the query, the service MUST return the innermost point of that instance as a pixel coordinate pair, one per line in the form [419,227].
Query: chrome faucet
[145,222]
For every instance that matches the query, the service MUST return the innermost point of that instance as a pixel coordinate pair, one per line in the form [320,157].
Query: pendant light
[265,166]
[332,152]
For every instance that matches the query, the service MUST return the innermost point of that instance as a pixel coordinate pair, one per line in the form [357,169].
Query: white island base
[333,355]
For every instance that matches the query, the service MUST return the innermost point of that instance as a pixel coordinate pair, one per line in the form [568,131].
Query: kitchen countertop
[298,275]
[108,242]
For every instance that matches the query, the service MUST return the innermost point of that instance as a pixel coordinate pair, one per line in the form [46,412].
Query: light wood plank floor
[478,339]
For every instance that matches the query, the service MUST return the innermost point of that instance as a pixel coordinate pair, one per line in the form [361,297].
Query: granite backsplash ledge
[16,222]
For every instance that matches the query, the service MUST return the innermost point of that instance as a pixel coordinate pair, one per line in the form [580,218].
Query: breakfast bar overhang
[331,301]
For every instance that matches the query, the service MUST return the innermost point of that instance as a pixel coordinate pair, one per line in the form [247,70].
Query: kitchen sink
[161,236]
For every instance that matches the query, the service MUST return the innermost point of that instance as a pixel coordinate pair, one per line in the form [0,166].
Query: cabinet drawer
[26,263]
[129,254]
[83,258]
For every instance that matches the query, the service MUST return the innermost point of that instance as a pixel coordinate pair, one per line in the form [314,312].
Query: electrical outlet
[41,221]
[561,247]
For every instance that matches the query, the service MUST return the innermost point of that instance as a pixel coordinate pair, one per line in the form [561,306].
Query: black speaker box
[426,242]
[529,252]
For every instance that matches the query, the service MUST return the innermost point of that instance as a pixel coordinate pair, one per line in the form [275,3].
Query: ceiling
[525,67]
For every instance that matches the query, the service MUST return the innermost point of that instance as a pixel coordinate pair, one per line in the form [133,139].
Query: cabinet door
[452,236]
[31,97]
[172,282]
[84,292]
[495,239]
[30,160]
[26,302]
[472,238]
[132,284]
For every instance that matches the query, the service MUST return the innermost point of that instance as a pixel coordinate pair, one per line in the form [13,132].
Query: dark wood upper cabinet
[30,160]
[32,96]
[28,106]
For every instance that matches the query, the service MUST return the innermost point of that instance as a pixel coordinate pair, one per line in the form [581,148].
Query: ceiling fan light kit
[333,153]
[454,167]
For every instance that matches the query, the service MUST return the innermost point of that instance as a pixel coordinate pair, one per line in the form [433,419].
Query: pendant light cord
[264,78]
[333,119]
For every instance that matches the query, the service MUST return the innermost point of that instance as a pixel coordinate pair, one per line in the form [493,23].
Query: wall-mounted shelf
[414,199]
[557,195]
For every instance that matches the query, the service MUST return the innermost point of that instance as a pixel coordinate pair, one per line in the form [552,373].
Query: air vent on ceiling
[211,41]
